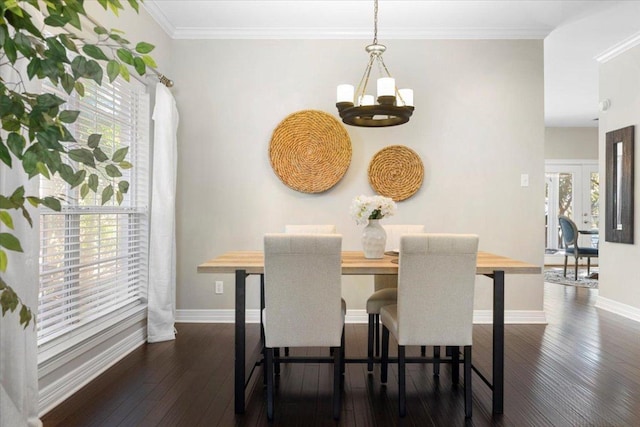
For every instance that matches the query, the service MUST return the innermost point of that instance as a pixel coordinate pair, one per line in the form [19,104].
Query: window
[93,258]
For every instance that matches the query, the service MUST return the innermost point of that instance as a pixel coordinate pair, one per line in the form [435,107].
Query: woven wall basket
[396,172]
[310,151]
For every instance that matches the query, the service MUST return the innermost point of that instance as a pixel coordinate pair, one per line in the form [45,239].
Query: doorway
[572,188]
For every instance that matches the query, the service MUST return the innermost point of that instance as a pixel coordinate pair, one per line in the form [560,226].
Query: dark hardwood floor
[582,369]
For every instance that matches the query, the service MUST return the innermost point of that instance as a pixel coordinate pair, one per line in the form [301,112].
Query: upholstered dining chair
[303,316]
[385,289]
[570,238]
[436,282]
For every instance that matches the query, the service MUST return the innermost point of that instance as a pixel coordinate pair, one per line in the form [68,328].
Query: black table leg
[498,342]
[240,333]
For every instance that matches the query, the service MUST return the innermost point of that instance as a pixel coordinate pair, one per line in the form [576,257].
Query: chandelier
[393,107]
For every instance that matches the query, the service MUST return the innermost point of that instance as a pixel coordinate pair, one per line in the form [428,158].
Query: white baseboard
[56,392]
[512,317]
[619,308]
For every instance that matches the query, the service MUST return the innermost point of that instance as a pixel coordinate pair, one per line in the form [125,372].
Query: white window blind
[93,258]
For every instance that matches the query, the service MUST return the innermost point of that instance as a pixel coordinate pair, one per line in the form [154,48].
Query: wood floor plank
[581,369]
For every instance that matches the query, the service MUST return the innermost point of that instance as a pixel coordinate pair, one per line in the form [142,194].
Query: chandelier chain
[375,22]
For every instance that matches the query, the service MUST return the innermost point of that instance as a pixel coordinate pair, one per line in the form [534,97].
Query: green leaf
[107,193]
[125,165]
[119,197]
[10,242]
[94,140]
[144,47]
[78,178]
[10,50]
[120,154]
[99,155]
[79,67]
[139,65]
[113,70]
[113,171]
[84,190]
[16,143]
[68,42]
[79,88]
[68,83]
[23,44]
[48,100]
[33,68]
[124,72]
[42,169]
[56,20]
[25,315]
[3,261]
[6,219]
[123,186]
[125,56]
[100,30]
[149,61]
[52,203]
[94,71]
[5,156]
[134,5]
[10,124]
[94,52]
[82,155]
[8,300]
[69,116]
[33,201]
[93,182]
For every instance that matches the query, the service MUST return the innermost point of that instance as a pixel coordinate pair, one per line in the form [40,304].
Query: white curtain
[18,346]
[162,241]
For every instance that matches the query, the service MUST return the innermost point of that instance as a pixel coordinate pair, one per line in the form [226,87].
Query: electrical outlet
[219,287]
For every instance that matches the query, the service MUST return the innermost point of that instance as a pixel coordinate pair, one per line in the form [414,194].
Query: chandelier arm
[365,80]
[398,94]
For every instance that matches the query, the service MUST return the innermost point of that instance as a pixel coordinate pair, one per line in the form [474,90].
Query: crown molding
[265,33]
[618,49]
[159,17]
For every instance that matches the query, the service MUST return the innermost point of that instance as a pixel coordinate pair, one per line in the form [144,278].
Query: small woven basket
[310,151]
[396,172]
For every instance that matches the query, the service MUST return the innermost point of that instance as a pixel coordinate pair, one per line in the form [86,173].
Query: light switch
[524,180]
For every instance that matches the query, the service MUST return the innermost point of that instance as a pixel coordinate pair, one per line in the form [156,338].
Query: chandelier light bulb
[345,93]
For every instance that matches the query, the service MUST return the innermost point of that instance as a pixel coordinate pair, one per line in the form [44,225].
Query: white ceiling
[574,32]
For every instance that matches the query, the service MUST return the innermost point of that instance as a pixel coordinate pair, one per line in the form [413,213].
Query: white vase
[374,239]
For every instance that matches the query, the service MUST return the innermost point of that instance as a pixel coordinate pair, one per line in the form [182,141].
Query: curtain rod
[163,79]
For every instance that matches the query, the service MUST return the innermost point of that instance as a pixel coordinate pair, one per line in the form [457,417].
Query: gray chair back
[303,276]
[394,231]
[569,231]
[436,282]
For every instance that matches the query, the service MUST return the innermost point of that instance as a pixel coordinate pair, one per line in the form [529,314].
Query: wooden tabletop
[354,263]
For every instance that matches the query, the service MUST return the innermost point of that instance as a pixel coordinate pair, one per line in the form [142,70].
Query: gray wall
[571,143]
[619,274]
[478,126]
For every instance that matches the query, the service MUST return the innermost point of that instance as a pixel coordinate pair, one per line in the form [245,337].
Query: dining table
[245,263]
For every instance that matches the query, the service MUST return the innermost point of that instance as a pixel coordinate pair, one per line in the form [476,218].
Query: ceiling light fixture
[394,106]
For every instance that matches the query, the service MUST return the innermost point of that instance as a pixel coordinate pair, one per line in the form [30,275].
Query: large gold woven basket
[396,172]
[310,151]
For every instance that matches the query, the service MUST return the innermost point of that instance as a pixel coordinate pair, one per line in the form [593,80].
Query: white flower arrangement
[364,208]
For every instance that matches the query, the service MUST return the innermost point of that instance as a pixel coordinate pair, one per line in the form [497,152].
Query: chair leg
[588,266]
[269,374]
[436,365]
[468,400]
[276,355]
[575,276]
[286,351]
[455,365]
[370,344]
[337,379]
[377,327]
[565,265]
[423,350]
[342,352]
[402,386]
[385,355]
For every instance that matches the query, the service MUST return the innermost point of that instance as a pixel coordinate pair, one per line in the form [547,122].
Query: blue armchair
[570,239]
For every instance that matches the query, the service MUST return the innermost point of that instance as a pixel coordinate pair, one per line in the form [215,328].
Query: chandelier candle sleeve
[366,100]
[386,86]
[405,97]
[345,93]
